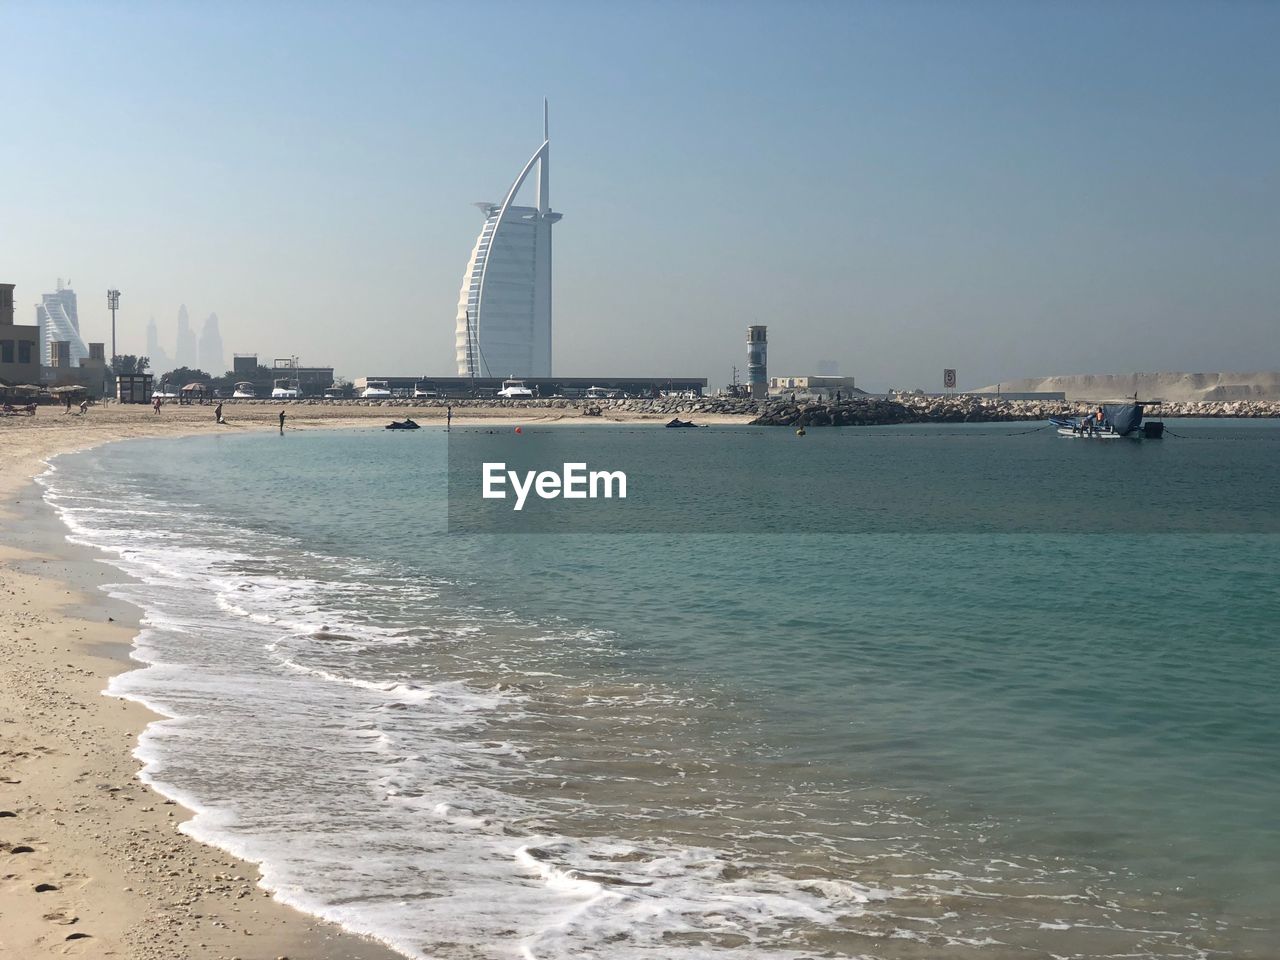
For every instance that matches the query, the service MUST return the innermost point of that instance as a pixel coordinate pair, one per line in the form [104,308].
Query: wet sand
[91,861]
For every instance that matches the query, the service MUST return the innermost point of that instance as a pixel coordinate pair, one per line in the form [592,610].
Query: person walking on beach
[155,405]
[84,406]
[282,423]
[217,413]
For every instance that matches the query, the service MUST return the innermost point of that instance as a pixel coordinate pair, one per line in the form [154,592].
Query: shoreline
[96,862]
[126,881]
[135,885]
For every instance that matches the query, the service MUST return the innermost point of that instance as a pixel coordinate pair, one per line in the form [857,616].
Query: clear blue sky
[1013,189]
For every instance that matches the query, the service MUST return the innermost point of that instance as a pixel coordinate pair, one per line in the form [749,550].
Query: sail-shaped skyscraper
[59,320]
[504,309]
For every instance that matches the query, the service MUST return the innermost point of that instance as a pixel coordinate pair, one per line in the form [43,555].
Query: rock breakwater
[856,411]
[971,409]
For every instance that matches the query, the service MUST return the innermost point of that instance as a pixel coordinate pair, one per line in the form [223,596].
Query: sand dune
[1264,385]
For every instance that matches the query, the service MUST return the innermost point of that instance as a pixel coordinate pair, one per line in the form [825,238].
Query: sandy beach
[94,864]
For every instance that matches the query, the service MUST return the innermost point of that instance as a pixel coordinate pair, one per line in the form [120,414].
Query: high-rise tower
[504,309]
[212,359]
[187,353]
[160,362]
[59,321]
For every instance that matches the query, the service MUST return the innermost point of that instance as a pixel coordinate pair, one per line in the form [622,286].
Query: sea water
[665,745]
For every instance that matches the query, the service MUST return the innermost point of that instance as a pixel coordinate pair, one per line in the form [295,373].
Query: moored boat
[1111,421]
[515,390]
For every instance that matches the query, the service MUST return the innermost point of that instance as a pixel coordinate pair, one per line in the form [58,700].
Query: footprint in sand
[61,917]
[45,887]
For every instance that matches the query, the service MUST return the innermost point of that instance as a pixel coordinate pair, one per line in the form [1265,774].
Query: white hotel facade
[59,320]
[504,308]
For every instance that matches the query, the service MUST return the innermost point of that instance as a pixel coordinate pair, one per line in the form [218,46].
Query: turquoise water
[663,745]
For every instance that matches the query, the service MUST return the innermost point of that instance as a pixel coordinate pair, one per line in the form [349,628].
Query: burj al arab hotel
[504,309]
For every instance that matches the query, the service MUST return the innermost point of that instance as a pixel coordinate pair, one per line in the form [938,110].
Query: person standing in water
[448,417]
[282,423]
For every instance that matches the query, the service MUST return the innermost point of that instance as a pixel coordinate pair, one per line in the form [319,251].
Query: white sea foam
[309,733]
[271,744]
[215,644]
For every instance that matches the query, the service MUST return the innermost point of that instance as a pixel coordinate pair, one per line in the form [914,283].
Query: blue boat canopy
[1123,417]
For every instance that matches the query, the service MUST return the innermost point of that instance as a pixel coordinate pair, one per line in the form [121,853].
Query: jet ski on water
[407,424]
[1111,421]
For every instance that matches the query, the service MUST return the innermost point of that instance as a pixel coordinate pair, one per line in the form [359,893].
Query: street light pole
[113,302]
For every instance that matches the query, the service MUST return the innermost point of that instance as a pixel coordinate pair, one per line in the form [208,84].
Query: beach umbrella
[69,388]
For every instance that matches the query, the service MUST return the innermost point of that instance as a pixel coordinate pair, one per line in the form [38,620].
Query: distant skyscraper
[155,353]
[212,359]
[187,353]
[58,320]
[504,309]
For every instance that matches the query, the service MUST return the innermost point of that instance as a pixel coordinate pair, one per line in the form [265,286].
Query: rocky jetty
[908,408]
[859,412]
[855,411]
[867,411]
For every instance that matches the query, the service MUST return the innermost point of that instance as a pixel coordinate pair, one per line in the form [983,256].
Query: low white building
[812,387]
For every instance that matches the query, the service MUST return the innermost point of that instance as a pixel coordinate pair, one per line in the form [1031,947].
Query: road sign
[949,379]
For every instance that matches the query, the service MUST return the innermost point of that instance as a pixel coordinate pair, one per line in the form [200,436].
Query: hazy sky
[1012,189]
